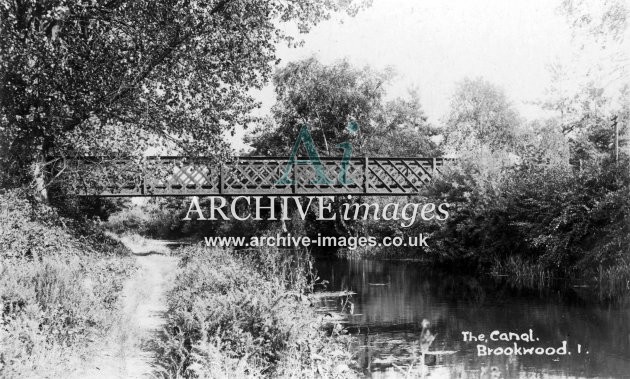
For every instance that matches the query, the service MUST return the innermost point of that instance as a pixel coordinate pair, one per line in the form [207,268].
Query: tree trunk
[38,173]
[284,223]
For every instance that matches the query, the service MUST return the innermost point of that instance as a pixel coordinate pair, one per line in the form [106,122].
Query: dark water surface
[394,297]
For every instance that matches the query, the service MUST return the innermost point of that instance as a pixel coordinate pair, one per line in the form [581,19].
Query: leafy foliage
[238,315]
[90,76]
[328,98]
[481,114]
[568,223]
[59,290]
[33,231]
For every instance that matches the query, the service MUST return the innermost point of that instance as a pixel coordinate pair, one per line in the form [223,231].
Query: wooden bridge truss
[182,176]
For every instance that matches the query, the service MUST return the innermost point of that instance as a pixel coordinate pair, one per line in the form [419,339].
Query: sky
[434,44]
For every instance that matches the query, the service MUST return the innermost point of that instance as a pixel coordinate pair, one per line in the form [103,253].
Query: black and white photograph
[210,189]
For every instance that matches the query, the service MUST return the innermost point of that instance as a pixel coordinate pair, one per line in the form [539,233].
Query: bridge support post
[143,179]
[366,162]
[295,177]
[221,178]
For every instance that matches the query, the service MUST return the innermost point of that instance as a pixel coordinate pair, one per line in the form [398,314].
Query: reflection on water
[393,297]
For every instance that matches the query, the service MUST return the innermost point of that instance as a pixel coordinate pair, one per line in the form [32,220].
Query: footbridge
[249,176]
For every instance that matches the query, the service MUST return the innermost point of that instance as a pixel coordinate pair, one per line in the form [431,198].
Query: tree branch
[168,51]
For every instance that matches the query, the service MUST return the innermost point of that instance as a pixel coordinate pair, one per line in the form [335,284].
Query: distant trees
[541,143]
[606,20]
[404,130]
[480,114]
[592,93]
[562,208]
[328,97]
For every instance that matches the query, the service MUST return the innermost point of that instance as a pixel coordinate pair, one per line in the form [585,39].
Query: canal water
[393,297]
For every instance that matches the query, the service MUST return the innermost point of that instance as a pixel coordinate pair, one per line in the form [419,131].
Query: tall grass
[58,292]
[245,315]
[610,283]
[523,273]
[614,282]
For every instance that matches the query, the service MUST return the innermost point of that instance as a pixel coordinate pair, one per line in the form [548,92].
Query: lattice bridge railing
[182,176]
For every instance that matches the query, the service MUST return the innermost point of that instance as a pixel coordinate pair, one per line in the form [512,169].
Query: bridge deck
[181,176]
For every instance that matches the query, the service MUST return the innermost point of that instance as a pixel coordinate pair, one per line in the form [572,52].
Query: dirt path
[128,352]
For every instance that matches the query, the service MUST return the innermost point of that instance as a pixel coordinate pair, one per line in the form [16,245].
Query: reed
[614,282]
[523,273]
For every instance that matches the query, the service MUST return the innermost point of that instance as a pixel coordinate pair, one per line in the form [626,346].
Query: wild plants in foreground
[58,292]
[234,316]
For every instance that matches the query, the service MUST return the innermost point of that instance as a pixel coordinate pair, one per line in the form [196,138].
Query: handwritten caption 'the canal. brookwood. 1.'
[516,344]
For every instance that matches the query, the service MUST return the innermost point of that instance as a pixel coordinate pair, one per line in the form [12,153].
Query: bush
[58,289]
[571,224]
[246,316]
[30,230]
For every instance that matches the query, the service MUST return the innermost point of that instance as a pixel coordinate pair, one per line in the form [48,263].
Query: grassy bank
[246,315]
[60,280]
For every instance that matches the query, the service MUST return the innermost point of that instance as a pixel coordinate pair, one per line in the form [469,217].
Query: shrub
[30,230]
[246,316]
[58,289]
[569,224]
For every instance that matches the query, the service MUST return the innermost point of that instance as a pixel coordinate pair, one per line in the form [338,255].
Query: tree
[175,70]
[403,130]
[328,97]
[541,143]
[606,20]
[590,93]
[480,114]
